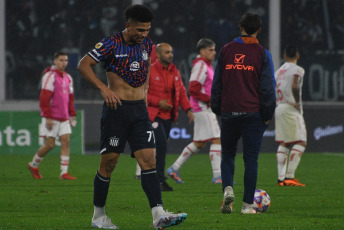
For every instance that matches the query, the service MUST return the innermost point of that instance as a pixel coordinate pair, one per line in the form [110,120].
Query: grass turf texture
[51,203]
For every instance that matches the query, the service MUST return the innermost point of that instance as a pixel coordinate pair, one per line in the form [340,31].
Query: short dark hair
[58,54]
[204,43]
[138,13]
[291,51]
[250,23]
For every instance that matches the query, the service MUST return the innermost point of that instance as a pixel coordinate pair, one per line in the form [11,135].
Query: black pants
[161,132]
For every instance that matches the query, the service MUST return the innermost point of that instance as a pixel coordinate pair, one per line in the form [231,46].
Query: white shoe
[228,198]
[168,219]
[247,209]
[103,222]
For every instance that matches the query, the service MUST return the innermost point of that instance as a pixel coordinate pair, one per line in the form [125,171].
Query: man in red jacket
[165,94]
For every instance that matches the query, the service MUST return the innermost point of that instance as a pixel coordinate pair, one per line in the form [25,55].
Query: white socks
[188,152]
[138,170]
[98,212]
[282,157]
[157,211]
[36,160]
[64,164]
[215,159]
[294,160]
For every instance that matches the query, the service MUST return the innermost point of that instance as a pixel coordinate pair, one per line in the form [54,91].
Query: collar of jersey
[245,39]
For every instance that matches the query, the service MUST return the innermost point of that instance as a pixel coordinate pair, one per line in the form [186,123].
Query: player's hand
[191,116]
[72,121]
[110,98]
[49,123]
[296,106]
[267,122]
[165,105]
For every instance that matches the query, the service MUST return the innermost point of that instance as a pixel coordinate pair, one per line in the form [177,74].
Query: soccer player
[125,56]
[58,114]
[206,127]
[290,125]
[165,95]
[243,93]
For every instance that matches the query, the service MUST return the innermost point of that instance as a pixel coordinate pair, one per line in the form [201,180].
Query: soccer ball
[261,201]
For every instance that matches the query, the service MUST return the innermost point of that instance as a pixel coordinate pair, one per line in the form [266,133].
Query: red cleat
[67,176]
[34,171]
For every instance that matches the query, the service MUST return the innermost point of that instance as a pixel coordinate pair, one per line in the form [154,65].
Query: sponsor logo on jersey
[95,52]
[98,45]
[121,55]
[240,67]
[157,78]
[134,66]
[176,78]
[114,141]
[145,55]
[239,60]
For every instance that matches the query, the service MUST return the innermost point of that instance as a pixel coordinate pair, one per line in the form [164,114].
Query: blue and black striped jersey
[130,62]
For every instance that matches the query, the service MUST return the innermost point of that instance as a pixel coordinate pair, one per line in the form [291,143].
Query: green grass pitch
[50,203]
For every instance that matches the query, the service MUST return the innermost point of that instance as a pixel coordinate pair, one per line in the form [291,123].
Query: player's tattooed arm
[296,91]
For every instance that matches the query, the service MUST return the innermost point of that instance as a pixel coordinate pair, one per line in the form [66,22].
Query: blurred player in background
[58,114]
[206,127]
[290,125]
[165,95]
[125,56]
[243,93]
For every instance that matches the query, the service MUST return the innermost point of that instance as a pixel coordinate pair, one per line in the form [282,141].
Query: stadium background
[32,30]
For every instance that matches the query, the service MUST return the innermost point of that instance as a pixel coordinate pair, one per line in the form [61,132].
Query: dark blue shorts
[129,122]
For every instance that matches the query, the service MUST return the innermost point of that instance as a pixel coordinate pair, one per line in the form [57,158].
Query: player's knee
[147,163]
[50,145]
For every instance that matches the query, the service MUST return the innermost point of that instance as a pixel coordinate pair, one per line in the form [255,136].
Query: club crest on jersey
[134,66]
[144,55]
[176,78]
[114,141]
[98,45]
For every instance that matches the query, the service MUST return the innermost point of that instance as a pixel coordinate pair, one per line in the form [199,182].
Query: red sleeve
[152,98]
[72,112]
[44,102]
[195,91]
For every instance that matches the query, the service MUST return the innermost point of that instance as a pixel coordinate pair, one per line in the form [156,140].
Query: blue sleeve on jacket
[216,88]
[267,92]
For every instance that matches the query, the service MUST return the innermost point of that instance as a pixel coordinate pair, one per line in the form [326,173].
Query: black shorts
[129,122]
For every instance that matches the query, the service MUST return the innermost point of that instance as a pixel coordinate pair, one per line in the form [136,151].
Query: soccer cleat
[290,182]
[294,179]
[217,180]
[247,209]
[293,182]
[103,222]
[34,171]
[67,176]
[168,219]
[165,187]
[174,175]
[228,198]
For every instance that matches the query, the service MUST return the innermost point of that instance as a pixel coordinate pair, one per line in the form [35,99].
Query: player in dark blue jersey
[126,57]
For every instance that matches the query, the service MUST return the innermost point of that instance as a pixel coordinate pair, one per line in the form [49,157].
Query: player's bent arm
[85,68]
[296,88]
